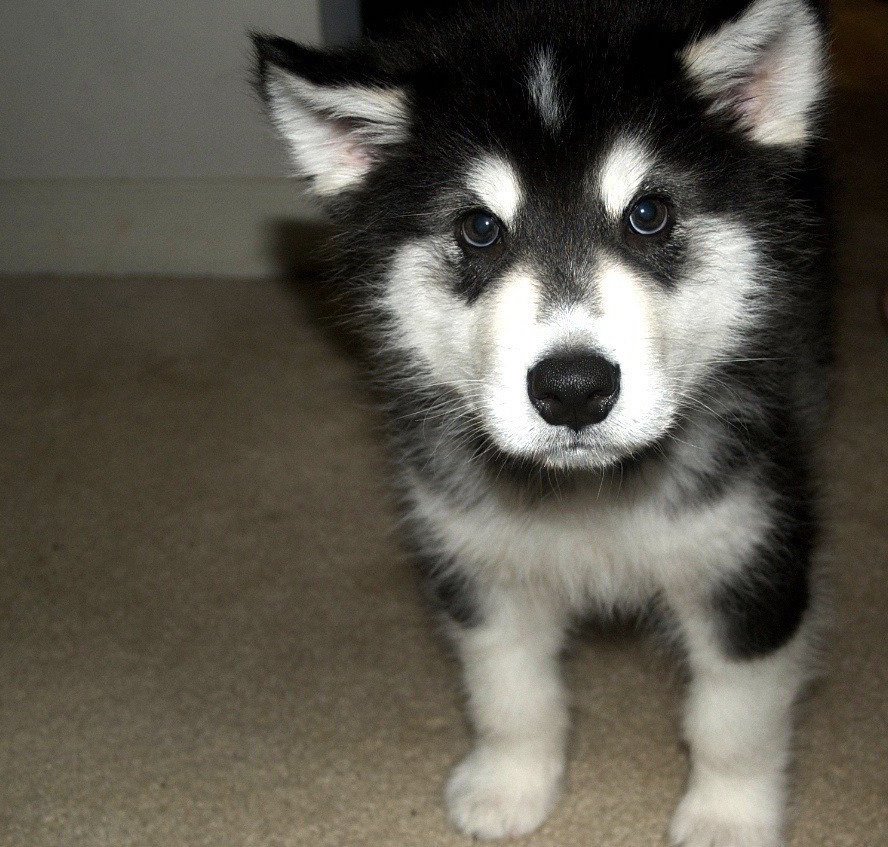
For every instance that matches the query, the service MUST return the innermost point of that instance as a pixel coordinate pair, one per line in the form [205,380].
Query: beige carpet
[208,635]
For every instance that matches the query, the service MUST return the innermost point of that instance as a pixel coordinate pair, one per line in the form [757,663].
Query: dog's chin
[566,452]
[579,457]
[576,458]
[561,449]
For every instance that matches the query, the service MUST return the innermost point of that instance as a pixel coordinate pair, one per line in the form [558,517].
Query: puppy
[590,242]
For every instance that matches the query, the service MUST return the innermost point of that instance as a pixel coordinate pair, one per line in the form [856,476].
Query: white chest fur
[596,551]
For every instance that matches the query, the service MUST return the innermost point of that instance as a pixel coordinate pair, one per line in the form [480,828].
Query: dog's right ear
[337,114]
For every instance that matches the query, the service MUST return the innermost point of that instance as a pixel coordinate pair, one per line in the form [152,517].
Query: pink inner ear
[750,98]
[359,156]
[354,154]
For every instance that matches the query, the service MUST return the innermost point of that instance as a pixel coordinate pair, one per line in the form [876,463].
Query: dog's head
[571,217]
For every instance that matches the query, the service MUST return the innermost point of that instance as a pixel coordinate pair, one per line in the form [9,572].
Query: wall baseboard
[201,227]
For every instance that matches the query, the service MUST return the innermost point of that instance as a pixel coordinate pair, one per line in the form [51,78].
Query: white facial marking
[622,174]
[620,325]
[481,349]
[426,319]
[706,317]
[495,183]
[626,331]
[543,88]
[511,337]
[768,66]
[333,131]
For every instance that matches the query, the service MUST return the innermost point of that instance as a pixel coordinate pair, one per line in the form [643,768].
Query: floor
[208,635]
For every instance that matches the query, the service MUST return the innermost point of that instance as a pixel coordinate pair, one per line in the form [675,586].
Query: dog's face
[570,224]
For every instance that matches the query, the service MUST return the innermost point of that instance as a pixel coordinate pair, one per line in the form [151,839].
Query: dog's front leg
[738,724]
[509,783]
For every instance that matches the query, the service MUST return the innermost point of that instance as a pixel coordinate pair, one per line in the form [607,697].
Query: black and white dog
[590,241]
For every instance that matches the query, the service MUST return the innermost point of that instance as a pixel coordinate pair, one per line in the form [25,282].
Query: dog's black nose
[573,389]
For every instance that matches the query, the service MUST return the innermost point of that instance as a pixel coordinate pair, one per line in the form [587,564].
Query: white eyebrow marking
[543,87]
[496,184]
[621,175]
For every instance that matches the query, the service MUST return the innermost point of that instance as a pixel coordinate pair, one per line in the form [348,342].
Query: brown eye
[479,229]
[649,216]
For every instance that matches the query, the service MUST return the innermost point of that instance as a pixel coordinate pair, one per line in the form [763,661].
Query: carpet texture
[209,635]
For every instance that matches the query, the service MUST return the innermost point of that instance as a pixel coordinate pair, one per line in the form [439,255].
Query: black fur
[449,591]
[762,608]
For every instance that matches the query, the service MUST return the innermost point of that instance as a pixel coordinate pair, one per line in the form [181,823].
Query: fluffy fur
[695,494]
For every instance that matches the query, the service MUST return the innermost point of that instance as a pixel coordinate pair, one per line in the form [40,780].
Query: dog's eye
[649,216]
[479,229]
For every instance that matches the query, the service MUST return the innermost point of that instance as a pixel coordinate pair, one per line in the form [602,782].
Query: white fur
[542,86]
[593,551]
[622,174]
[768,66]
[617,321]
[494,182]
[425,318]
[532,566]
[628,330]
[738,723]
[335,156]
[510,782]
[512,342]
[705,319]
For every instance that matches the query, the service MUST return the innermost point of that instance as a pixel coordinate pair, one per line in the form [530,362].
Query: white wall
[129,134]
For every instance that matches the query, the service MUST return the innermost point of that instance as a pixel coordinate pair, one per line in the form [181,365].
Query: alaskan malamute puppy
[590,242]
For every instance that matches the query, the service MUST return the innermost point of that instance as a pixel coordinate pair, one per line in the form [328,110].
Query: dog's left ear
[766,67]
[335,110]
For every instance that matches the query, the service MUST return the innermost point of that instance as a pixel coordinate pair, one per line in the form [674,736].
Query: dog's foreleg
[509,783]
[738,724]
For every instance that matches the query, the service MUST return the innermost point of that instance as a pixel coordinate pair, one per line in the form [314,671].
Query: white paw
[717,814]
[503,792]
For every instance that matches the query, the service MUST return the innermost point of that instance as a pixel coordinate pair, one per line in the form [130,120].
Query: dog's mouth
[587,454]
[569,450]
[577,454]
[573,445]
[590,450]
